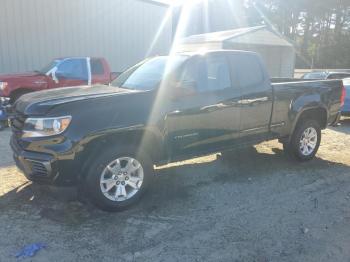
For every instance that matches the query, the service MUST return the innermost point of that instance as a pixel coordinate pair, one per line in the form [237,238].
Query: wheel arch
[318,113]
[19,91]
[148,140]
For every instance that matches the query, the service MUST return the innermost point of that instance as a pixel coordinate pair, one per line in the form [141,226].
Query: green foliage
[319,29]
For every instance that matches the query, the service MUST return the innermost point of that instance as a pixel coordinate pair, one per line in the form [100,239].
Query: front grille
[17,123]
[38,169]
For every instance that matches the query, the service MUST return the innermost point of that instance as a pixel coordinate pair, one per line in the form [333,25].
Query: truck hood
[9,77]
[38,103]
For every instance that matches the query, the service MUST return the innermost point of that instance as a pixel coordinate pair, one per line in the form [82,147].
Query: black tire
[286,147]
[92,187]
[293,147]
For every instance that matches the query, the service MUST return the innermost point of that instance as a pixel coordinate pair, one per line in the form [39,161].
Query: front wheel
[118,178]
[305,140]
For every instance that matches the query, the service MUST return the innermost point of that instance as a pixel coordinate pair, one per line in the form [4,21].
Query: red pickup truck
[62,72]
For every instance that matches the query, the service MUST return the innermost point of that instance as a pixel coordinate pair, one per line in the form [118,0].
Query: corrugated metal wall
[32,32]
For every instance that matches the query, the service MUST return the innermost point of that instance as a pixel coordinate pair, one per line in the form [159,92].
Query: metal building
[277,53]
[32,32]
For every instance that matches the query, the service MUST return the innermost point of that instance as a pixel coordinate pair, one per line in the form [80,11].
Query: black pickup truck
[106,139]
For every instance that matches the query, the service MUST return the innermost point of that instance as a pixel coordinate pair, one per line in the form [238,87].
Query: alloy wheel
[308,141]
[121,179]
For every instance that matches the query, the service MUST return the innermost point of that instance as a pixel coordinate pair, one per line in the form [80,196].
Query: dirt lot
[250,205]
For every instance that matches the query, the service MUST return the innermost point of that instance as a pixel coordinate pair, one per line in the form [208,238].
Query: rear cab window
[96,66]
[249,70]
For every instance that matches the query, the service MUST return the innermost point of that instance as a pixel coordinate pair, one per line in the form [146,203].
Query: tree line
[319,29]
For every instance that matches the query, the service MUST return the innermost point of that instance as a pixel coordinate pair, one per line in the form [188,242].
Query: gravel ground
[249,205]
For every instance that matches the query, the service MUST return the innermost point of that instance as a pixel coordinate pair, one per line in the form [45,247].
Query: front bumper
[41,167]
[3,111]
[3,115]
[36,167]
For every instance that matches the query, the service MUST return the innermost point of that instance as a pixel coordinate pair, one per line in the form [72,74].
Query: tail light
[343,94]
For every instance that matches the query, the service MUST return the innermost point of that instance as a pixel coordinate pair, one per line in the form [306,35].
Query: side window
[96,67]
[73,69]
[249,70]
[216,73]
[205,74]
[189,75]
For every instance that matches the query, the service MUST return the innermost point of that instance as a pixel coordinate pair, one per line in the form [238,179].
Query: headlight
[3,85]
[41,127]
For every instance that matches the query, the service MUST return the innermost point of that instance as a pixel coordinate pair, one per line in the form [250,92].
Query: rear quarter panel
[293,98]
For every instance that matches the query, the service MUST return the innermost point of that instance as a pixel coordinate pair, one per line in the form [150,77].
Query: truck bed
[290,94]
[276,80]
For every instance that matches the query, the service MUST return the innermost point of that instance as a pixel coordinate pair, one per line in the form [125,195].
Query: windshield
[48,67]
[319,75]
[148,74]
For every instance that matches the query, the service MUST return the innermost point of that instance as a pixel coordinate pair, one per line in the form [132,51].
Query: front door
[207,116]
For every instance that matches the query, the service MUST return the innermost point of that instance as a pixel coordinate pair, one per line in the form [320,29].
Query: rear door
[71,72]
[208,117]
[257,97]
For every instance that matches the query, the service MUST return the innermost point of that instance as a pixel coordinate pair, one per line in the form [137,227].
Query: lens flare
[161,101]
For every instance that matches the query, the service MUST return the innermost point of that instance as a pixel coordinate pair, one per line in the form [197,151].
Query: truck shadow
[173,186]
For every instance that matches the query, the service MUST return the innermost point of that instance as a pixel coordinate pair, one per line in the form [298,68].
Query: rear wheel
[118,178]
[305,140]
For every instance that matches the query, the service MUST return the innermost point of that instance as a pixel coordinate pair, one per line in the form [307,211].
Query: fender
[21,91]
[149,137]
[303,104]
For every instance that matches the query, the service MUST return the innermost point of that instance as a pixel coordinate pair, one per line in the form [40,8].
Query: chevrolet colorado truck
[107,139]
[62,72]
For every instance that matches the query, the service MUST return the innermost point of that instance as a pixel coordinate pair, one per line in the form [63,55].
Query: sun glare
[182,2]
